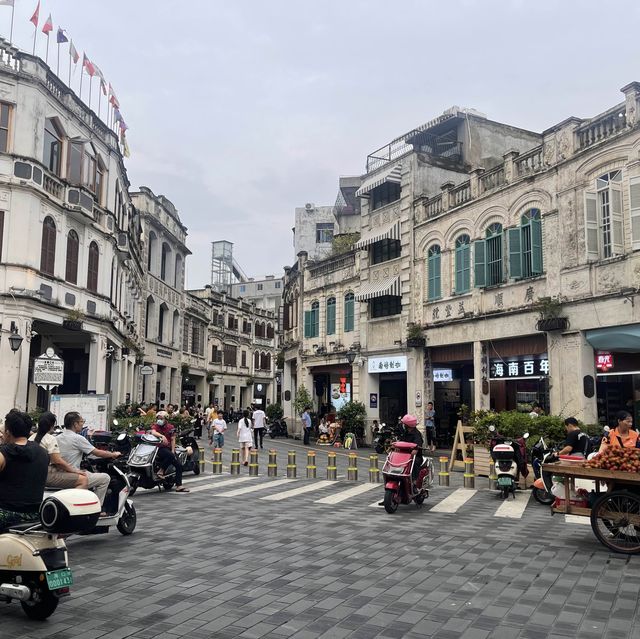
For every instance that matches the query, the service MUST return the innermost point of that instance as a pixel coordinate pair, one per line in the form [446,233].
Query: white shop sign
[395,363]
[48,370]
[442,375]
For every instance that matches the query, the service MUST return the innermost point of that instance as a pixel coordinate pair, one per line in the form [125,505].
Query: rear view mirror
[525,436]
[115,422]
[121,437]
[492,428]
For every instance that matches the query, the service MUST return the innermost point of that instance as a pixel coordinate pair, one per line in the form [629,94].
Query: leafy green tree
[274,411]
[353,416]
[302,400]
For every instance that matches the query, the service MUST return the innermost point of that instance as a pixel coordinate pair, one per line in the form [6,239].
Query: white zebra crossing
[253,489]
[454,501]
[336,498]
[514,508]
[299,491]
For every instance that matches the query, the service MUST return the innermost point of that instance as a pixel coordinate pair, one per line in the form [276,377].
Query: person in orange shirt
[621,435]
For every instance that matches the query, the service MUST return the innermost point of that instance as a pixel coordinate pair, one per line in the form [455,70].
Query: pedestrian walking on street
[306,423]
[245,437]
[258,417]
[430,426]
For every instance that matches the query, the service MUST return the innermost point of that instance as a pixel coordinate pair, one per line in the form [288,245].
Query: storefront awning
[390,231]
[391,174]
[387,286]
[624,339]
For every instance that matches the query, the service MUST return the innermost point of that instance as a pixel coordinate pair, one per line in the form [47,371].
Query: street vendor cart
[614,507]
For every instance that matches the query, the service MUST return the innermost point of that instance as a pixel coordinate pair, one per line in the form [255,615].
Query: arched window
[162,322]
[165,256]
[92,267]
[256,361]
[148,327]
[151,255]
[177,280]
[331,316]
[463,263]
[89,168]
[488,257]
[270,331]
[433,273]
[604,224]
[48,246]
[312,321]
[267,359]
[175,332]
[349,312]
[525,246]
[52,155]
[73,245]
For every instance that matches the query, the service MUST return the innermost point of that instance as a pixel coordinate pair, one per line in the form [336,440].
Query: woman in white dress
[245,436]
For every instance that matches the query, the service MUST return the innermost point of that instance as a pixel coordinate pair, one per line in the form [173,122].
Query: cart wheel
[615,519]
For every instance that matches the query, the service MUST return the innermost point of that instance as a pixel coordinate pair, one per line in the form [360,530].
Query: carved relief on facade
[550,152]
[564,145]
[608,279]
[417,296]
[4,196]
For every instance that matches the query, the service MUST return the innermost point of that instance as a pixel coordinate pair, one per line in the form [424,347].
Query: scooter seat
[405,447]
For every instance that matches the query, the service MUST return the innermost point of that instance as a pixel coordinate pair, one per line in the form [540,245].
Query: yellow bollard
[253,463]
[469,477]
[374,471]
[217,461]
[332,469]
[235,461]
[291,464]
[201,459]
[352,469]
[272,466]
[311,465]
[443,475]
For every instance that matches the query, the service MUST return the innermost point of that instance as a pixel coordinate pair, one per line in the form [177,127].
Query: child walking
[245,436]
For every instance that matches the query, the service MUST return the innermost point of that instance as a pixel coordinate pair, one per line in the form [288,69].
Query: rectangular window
[185,336]
[385,250]
[463,267]
[278,285]
[74,174]
[634,199]
[312,321]
[243,359]
[5,122]
[494,260]
[1,232]
[386,305]
[230,355]
[52,147]
[331,316]
[349,312]
[243,288]
[216,355]
[324,233]
[231,322]
[259,287]
[195,338]
[384,194]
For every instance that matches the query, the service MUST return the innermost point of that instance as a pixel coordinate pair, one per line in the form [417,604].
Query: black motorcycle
[277,428]
[540,454]
[386,435]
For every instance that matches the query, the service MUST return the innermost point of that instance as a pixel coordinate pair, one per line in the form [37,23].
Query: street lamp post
[351,356]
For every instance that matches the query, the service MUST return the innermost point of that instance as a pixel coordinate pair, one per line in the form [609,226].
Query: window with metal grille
[384,194]
[434,287]
[385,306]
[385,250]
[488,257]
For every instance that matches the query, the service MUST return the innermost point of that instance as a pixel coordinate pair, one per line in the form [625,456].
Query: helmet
[409,420]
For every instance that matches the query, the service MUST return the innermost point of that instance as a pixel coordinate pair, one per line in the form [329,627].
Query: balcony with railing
[528,163]
[602,127]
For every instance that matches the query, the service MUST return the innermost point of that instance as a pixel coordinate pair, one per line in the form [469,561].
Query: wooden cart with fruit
[615,508]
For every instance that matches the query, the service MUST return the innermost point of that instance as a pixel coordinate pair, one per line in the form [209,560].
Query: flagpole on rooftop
[90,83]
[81,74]
[13,10]
[46,57]
[69,69]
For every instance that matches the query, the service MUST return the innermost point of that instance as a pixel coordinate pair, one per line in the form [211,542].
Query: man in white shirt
[258,418]
[73,446]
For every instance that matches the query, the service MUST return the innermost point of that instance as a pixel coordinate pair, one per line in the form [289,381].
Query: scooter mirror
[115,422]
[492,428]
[121,437]
[525,436]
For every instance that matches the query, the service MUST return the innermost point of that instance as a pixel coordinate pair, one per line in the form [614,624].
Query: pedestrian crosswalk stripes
[514,508]
[299,491]
[219,484]
[336,498]
[254,489]
[455,501]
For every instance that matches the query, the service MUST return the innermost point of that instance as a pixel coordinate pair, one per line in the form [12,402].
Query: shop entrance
[393,397]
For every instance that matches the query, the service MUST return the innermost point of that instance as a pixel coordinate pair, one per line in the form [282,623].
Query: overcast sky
[240,111]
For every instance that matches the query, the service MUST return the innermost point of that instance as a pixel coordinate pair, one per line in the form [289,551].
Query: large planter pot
[416,342]
[72,324]
[553,324]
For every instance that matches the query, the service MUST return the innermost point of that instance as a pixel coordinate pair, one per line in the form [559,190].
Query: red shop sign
[604,361]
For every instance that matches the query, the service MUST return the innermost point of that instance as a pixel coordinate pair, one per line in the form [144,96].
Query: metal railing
[602,127]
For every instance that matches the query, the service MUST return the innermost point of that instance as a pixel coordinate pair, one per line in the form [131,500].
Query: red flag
[113,99]
[36,16]
[86,63]
[48,26]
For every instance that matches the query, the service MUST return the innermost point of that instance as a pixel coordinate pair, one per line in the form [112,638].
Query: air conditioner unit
[309,206]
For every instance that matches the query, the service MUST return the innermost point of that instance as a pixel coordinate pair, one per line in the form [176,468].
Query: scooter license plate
[59,578]
[505,481]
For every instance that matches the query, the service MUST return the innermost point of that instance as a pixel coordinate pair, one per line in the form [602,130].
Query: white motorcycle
[34,566]
[505,454]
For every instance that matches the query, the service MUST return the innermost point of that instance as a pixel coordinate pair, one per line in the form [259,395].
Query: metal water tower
[221,265]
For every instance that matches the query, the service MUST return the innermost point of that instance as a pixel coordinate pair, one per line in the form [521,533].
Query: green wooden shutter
[437,277]
[480,262]
[331,318]
[307,323]
[349,309]
[515,252]
[315,322]
[459,258]
[616,221]
[536,247]
[634,199]
[591,225]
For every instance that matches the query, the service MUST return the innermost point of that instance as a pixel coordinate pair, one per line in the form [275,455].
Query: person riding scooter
[167,433]
[412,435]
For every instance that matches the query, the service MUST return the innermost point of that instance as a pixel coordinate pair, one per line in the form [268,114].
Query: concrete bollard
[469,477]
[272,466]
[291,464]
[217,461]
[374,471]
[253,463]
[352,469]
[332,469]
[201,459]
[311,465]
[235,461]
[443,475]
[493,480]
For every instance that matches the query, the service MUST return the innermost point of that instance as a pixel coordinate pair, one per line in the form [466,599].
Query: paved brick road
[263,557]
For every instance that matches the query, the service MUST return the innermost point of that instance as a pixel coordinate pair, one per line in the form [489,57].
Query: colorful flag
[75,56]
[61,36]
[112,98]
[125,147]
[86,63]
[48,26]
[117,115]
[36,16]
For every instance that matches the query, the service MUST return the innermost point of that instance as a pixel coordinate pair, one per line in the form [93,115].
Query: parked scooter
[397,472]
[277,428]
[34,568]
[385,437]
[541,454]
[188,451]
[508,460]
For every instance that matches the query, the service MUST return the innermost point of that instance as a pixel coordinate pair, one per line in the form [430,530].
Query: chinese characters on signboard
[525,367]
[442,375]
[604,361]
[387,364]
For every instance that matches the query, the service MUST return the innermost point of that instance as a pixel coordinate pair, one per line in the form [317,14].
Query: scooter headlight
[395,470]
[139,459]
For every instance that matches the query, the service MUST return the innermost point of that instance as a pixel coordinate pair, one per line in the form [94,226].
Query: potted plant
[73,320]
[415,338]
[550,318]
[249,381]
[210,376]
